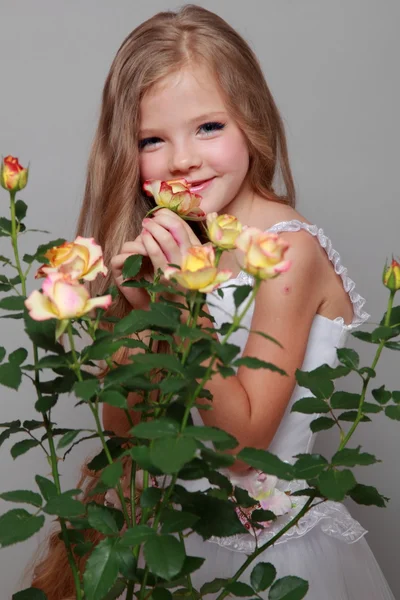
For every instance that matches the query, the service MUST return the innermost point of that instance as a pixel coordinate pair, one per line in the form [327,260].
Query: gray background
[333,70]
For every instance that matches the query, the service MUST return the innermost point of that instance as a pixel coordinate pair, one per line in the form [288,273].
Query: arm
[251,404]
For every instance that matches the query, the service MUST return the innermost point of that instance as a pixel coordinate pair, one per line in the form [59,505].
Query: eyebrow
[205,117]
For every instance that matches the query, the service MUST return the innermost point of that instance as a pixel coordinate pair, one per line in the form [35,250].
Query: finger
[154,251]
[133,247]
[164,239]
[179,229]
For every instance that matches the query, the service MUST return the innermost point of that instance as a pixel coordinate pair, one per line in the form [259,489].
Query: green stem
[368,378]
[46,421]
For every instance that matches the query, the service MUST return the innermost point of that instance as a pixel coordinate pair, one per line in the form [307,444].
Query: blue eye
[212,126]
[148,141]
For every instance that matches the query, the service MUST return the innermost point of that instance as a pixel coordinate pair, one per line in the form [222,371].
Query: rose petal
[39,307]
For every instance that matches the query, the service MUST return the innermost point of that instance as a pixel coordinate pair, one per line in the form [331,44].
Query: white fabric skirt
[335,570]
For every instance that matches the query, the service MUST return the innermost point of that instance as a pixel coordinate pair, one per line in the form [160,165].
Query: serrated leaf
[382,395]
[240,294]
[350,457]
[262,576]
[18,356]
[316,383]
[102,519]
[394,316]
[309,466]
[321,424]
[310,406]
[334,485]
[30,594]
[137,535]
[17,525]
[252,362]
[367,495]
[23,496]
[12,303]
[288,588]
[20,209]
[101,570]
[46,487]
[240,589]
[10,375]
[369,407]
[132,266]
[68,438]
[114,398]
[212,434]
[161,594]
[23,446]
[86,389]
[177,520]
[212,587]
[164,555]
[45,403]
[159,428]
[112,474]
[393,412]
[396,397]
[171,454]
[348,357]
[216,516]
[150,497]
[351,416]
[63,505]
[267,463]
[345,400]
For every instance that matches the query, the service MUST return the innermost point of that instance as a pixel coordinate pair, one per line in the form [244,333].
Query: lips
[200,184]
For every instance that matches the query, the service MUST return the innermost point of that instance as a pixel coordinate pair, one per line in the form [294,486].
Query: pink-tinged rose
[13,176]
[223,230]
[262,487]
[198,270]
[81,259]
[264,253]
[63,298]
[391,276]
[175,194]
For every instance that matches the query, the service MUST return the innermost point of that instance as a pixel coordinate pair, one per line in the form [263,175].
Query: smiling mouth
[197,185]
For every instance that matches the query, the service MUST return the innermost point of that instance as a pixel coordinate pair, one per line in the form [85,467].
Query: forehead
[191,92]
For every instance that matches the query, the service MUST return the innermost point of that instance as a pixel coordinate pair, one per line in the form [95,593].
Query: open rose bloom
[81,259]
[175,195]
[13,176]
[198,270]
[63,298]
[264,253]
[223,230]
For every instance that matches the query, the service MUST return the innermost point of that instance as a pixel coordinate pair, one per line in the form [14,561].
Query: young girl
[186,98]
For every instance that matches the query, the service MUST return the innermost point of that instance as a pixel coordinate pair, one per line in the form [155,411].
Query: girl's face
[186,132]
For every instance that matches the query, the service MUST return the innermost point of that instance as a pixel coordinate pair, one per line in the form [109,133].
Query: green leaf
[216,517]
[42,333]
[212,434]
[212,587]
[368,495]
[101,570]
[63,505]
[334,485]
[393,412]
[150,497]
[351,416]
[369,407]
[382,395]
[132,266]
[310,405]
[24,496]
[240,294]
[238,588]
[316,383]
[12,303]
[159,428]
[267,463]
[68,438]
[177,520]
[394,316]
[18,356]
[10,375]
[261,515]
[309,466]
[164,555]
[393,345]
[17,525]
[30,594]
[252,362]
[21,447]
[217,459]
[45,403]
[114,398]
[112,474]
[5,227]
[102,519]
[345,400]
[384,333]
[288,588]
[2,353]
[350,457]
[396,397]
[11,424]
[137,535]
[46,487]
[161,594]
[86,389]
[348,357]
[20,209]
[53,361]
[321,424]
[170,454]
[32,424]
[116,590]
[159,317]
[243,498]
[262,576]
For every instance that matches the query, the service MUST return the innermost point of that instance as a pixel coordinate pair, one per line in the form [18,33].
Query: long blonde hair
[114,205]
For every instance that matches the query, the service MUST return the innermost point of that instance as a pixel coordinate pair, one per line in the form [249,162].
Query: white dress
[328,547]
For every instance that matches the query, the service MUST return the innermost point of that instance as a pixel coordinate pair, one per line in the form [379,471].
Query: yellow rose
[198,270]
[391,276]
[62,298]
[222,230]
[175,195]
[264,253]
[13,176]
[81,259]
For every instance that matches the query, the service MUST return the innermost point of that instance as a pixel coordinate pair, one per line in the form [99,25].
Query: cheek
[151,166]
[231,154]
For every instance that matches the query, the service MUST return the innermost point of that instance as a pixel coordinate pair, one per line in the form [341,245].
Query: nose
[184,159]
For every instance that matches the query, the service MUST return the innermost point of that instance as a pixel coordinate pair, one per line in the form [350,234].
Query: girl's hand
[166,238]
[137,297]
